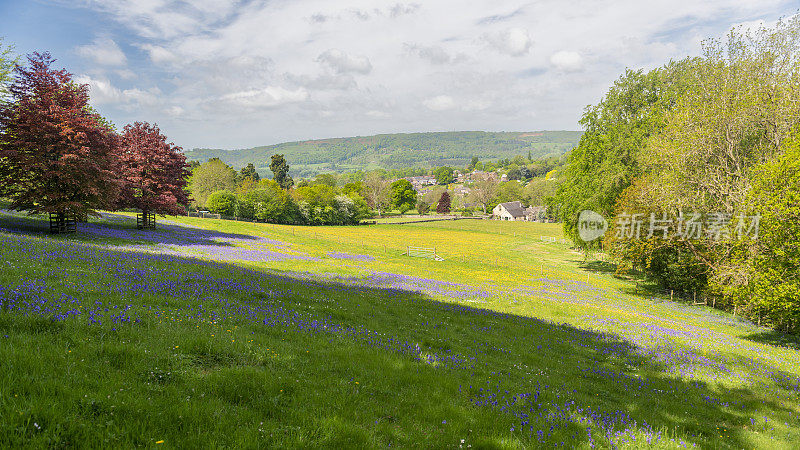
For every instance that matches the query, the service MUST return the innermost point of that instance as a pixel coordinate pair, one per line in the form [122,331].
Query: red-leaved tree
[56,155]
[443,207]
[154,173]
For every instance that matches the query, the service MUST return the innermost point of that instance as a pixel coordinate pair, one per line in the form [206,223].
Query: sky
[237,74]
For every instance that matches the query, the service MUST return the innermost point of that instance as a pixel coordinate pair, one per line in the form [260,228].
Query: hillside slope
[389,151]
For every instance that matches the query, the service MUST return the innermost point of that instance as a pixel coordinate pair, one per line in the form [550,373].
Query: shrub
[222,202]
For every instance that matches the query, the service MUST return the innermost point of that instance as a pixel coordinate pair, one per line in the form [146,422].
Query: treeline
[217,187]
[695,167]
[220,189]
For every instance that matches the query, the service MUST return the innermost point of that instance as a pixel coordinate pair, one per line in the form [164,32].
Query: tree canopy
[443,175]
[280,171]
[209,177]
[443,206]
[222,202]
[248,172]
[56,154]
[7,61]
[403,195]
[605,162]
[154,172]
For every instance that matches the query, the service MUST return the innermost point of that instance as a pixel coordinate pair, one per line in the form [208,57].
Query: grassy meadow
[211,333]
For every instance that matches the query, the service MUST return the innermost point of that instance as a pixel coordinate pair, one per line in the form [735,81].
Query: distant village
[509,211]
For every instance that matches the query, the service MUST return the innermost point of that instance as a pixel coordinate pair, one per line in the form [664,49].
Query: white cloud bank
[236,73]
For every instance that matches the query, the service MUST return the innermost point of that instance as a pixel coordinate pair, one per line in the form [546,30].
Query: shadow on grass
[608,268]
[776,339]
[424,360]
[117,229]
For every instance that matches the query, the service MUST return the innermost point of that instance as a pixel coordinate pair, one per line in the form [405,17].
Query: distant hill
[390,151]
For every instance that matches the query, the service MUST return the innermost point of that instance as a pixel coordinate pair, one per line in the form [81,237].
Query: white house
[509,211]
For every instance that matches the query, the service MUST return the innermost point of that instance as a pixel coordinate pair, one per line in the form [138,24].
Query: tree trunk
[146,219]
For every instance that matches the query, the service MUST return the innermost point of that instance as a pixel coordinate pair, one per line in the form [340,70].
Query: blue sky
[235,74]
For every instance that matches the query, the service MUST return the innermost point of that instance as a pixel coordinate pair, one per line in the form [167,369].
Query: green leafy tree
[403,195]
[328,179]
[539,190]
[7,62]
[444,175]
[510,192]
[210,177]
[354,187]
[423,207]
[433,194]
[269,203]
[280,171]
[472,164]
[376,191]
[222,202]
[772,288]
[249,172]
[740,101]
[605,162]
[483,192]
[321,204]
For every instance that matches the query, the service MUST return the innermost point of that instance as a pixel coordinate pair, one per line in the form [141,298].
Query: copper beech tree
[154,173]
[56,155]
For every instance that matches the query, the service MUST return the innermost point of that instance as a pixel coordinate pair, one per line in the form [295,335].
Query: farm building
[509,211]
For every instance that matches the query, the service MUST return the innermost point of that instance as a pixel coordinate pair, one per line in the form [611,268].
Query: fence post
[671,292]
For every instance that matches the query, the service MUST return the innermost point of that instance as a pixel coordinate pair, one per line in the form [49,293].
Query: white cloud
[377,114]
[341,62]
[439,103]
[175,111]
[125,74]
[316,68]
[567,61]
[103,51]
[269,97]
[158,54]
[103,92]
[434,54]
[513,41]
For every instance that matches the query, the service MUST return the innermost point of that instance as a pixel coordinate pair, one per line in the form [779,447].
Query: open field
[210,333]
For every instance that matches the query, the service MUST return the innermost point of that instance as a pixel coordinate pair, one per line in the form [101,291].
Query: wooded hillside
[389,151]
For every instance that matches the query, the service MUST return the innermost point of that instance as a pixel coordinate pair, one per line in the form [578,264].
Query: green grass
[344,362]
